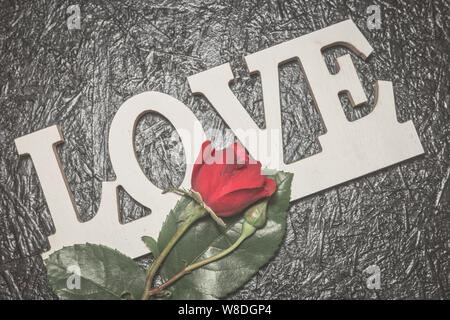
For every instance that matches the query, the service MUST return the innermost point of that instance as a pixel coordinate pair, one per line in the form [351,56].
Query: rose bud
[229,180]
[256,215]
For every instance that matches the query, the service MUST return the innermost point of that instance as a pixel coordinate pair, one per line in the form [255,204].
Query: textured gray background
[397,218]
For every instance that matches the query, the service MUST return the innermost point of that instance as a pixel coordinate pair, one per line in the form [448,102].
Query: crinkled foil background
[397,218]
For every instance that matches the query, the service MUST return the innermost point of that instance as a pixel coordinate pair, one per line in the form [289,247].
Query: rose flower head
[229,180]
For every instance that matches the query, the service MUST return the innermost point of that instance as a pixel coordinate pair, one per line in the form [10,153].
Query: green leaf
[152,245]
[105,273]
[205,239]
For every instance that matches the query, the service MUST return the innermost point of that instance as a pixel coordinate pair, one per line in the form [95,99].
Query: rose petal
[237,201]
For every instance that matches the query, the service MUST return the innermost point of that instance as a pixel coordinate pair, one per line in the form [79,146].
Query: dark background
[397,218]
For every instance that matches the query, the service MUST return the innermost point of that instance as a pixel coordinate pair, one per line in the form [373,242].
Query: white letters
[105,228]
[349,149]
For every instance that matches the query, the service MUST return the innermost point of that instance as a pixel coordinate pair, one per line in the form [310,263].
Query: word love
[349,149]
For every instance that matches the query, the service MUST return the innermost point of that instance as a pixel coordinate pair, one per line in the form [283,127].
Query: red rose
[228,180]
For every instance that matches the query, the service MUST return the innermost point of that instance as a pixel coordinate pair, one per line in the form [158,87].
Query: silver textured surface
[397,218]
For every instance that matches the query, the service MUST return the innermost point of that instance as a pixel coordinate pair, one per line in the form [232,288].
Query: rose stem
[247,231]
[197,213]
